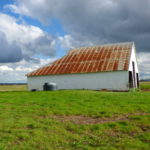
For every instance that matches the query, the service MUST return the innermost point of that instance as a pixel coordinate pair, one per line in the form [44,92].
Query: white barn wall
[134,59]
[117,80]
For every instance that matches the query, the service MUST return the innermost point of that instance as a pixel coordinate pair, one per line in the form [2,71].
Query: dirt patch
[145,90]
[79,119]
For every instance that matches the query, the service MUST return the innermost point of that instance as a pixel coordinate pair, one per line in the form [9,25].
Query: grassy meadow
[74,120]
[145,86]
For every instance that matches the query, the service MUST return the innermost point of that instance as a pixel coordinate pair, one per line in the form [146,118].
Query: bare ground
[145,90]
[79,119]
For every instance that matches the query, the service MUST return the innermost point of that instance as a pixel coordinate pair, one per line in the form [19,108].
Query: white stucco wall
[105,80]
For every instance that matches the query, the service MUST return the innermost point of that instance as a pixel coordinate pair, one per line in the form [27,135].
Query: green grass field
[75,120]
[145,85]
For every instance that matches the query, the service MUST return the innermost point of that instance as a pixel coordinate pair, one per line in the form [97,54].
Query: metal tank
[49,86]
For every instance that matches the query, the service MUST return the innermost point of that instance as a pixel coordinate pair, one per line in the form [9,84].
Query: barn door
[137,78]
[130,80]
[133,77]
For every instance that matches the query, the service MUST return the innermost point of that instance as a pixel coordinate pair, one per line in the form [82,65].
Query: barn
[110,67]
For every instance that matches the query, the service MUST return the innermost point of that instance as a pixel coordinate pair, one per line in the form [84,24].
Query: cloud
[15,73]
[144,64]
[67,41]
[9,50]
[85,22]
[5,68]
[95,21]
[18,40]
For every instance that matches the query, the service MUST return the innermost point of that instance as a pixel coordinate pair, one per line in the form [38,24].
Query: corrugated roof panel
[118,54]
[81,56]
[71,67]
[115,47]
[42,71]
[74,69]
[105,65]
[38,71]
[120,65]
[119,47]
[54,69]
[85,56]
[104,54]
[61,69]
[100,65]
[57,69]
[72,57]
[66,58]
[49,70]
[45,70]
[60,60]
[85,67]
[113,54]
[33,73]
[115,67]
[100,53]
[89,67]
[124,55]
[65,68]
[125,46]
[80,67]
[126,66]
[95,55]
[110,65]
[91,53]
[90,59]
[93,64]
[95,68]
[109,54]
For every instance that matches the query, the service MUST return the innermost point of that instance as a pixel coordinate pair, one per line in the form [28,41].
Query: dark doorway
[134,80]
[137,78]
[130,80]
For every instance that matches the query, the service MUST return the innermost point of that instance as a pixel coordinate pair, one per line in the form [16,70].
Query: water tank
[49,86]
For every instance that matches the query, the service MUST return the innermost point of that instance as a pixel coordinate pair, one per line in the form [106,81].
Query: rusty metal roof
[112,57]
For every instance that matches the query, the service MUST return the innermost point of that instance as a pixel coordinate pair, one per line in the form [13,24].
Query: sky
[36,32]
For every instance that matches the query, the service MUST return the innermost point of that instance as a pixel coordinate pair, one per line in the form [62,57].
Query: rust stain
[100,65]
[84,67]
[115,67]
[90,59]
[54,68]
[50,69]
[110,65]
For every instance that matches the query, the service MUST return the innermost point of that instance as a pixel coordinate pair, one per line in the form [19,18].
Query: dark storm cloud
[96,21]
[22,41]
[43,45]
[9,51]
[14,51]
[110,21]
